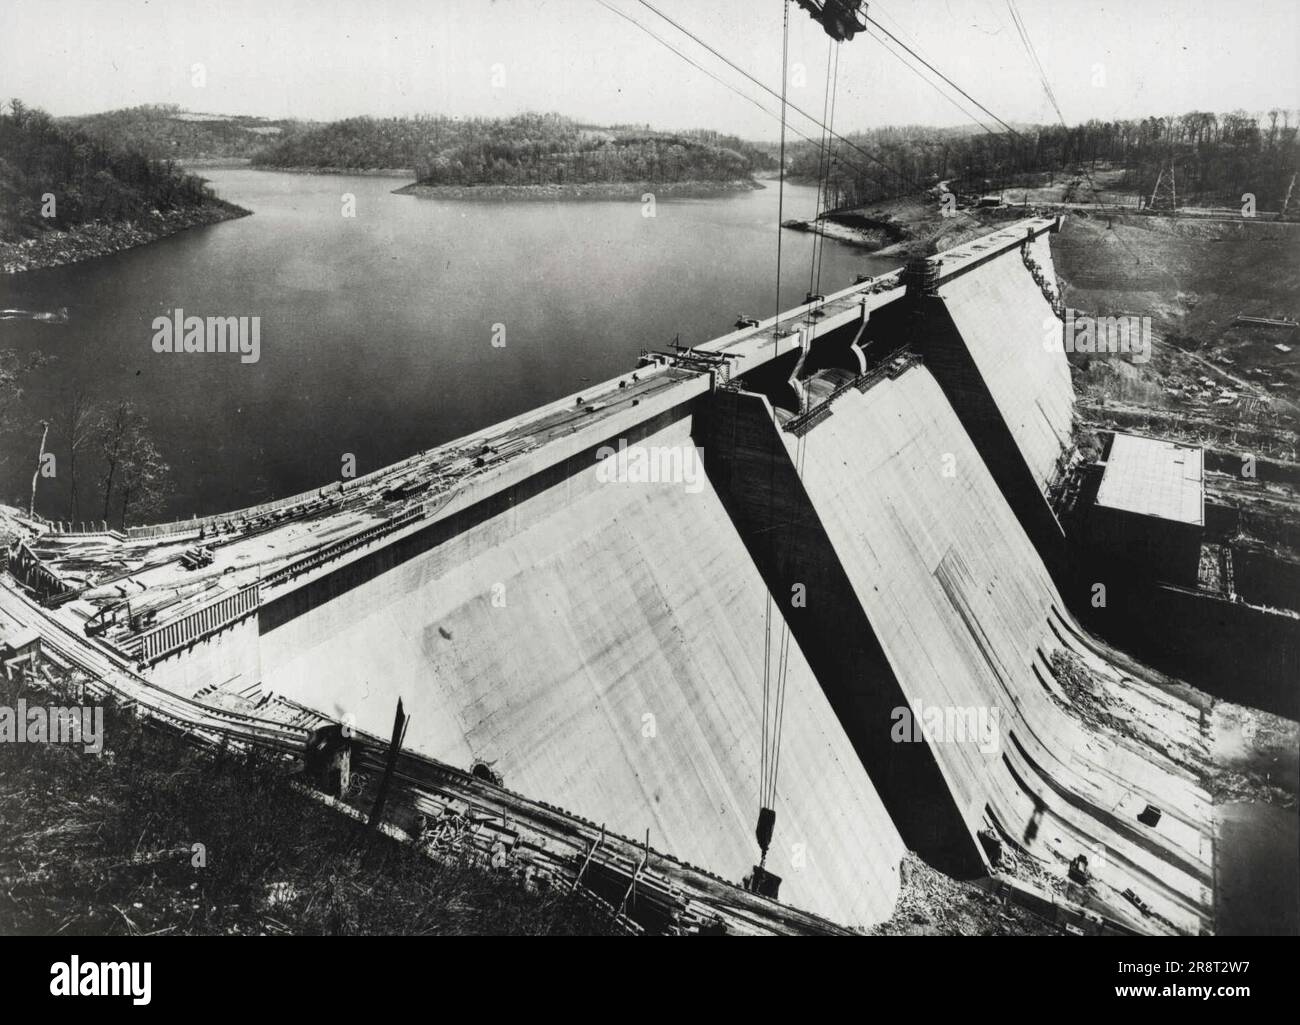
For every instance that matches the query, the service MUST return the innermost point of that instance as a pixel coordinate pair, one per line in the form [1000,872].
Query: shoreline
[212,163]
[622,191]
[349,172]
[873,240]
[93,239]
[905,229]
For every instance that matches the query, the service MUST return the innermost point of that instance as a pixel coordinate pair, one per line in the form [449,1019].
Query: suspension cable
[1037,65]
[765,798]
[823,170]
[909,182]
[723,82]
[830,162]
[899,42]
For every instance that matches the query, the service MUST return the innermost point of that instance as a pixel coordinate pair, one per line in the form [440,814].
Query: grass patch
[105,845]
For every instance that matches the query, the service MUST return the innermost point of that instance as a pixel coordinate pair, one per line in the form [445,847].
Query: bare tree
[13,369]
[77,425]
[113,428]
[36,476]
[143,474]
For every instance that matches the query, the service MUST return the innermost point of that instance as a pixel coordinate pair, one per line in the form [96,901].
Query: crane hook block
[766,823]
[842,19]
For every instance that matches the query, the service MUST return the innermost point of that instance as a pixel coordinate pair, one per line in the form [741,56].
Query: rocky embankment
[594,190]
[96,238]
[904,226]
[854,231]
[933,904]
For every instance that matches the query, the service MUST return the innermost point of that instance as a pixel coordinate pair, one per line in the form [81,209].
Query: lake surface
[376,330]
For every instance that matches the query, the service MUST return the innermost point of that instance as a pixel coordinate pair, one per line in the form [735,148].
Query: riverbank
[355,172]
[903,226]
[589,191]
[873,237]
[95,238]
[212,163]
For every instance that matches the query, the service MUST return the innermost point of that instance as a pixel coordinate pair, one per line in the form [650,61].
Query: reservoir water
[376,330]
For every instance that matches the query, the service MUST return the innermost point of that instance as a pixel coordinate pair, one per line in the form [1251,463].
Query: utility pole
[400,722]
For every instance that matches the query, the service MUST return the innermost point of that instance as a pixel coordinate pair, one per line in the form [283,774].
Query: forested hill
[56,176]
[1216,157]
[530,149]
[165,131]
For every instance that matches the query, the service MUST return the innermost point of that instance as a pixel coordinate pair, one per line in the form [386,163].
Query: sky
[327,59]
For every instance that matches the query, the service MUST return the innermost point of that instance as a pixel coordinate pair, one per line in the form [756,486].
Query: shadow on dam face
[601,643]
[784,536]
[981,338]
[921,586]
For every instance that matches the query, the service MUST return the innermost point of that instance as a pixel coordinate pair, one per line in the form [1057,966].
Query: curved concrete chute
[963,609]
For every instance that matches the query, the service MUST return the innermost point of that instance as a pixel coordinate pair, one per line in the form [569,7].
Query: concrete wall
[1166,549]
[983,339]
[1013,336]
[785,538]
[945,584]
[1229,649]
[614,603]
[229,659]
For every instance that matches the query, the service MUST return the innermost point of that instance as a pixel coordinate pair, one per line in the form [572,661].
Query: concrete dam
[592,626]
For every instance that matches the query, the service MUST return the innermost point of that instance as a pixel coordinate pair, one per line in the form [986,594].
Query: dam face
[992,341]
[944,583]
[872,473]
[598,642]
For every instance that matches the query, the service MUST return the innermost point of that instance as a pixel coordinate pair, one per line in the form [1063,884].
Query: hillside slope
[67,196]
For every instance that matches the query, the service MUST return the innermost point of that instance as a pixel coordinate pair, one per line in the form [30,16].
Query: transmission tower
[1164,196]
